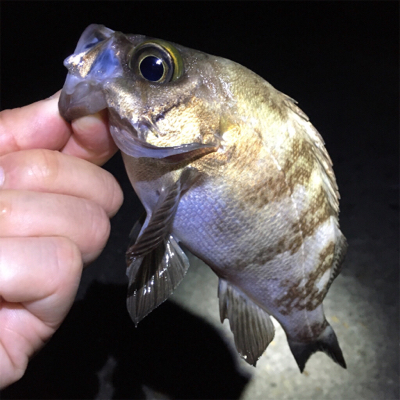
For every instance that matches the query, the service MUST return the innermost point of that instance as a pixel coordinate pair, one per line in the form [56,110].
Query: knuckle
[67,267]
[7,139]
[68,254]
[43,166]
[115,195]
[98,228]
[65,256]
[6,207]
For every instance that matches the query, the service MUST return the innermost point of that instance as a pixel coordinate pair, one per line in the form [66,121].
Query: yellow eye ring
[157,61]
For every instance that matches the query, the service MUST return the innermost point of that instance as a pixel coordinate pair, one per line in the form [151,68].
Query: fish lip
[131,138]
[85,99]
[94,32]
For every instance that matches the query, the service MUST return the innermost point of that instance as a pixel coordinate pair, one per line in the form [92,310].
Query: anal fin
[338,256]
[251,326]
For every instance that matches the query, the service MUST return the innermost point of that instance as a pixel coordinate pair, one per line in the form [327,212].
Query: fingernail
[2,176]
[88,122]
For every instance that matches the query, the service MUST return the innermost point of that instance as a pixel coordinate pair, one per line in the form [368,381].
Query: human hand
[55,205]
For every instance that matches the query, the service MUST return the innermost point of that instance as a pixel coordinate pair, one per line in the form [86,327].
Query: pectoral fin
[251,326]
[135,231]
[156,263]
[153,277]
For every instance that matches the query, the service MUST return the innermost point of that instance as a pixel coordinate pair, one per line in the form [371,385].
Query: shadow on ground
[175,353]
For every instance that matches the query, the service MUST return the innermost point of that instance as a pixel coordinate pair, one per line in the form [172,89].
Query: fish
[227,167]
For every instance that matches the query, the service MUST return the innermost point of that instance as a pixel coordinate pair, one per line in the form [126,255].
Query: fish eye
[156,61]
[152,68]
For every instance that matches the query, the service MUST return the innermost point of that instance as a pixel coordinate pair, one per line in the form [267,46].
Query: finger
[39,278]
[29,214]
[91,139]
[45,269]
[54,172]
[38,125]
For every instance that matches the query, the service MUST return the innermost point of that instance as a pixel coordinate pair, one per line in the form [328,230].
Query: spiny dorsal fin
[251,326]
[304,126]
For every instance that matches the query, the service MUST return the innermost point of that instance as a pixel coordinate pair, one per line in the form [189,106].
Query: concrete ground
[340,62]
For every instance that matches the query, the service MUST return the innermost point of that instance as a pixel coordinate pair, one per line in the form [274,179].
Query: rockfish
[226,165]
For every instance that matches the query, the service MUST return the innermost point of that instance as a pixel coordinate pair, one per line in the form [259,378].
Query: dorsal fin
[312,136]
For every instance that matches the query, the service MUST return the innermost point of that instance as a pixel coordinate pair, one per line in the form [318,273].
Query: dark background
[340,61]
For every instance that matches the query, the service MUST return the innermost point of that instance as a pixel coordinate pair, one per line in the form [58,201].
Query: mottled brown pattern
[316,213]
[258,259]
[190,121]
[291,242]
[257,174]
[316,329]
[308,296]
[258,193]
[299,163]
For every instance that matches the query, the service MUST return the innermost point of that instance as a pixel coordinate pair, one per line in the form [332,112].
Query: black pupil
[152,68]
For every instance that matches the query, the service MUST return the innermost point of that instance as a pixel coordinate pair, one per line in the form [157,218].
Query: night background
[339,60]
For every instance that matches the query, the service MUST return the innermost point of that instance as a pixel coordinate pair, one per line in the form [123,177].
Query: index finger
[36,126]
[40,126]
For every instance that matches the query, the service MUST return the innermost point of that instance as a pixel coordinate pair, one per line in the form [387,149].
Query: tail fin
[326,342]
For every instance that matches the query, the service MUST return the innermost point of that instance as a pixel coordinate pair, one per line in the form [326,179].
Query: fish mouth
[131,140]
[86,99]
[92,62]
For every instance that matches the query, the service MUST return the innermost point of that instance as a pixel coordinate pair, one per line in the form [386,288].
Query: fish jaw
[82,93]
[86,99]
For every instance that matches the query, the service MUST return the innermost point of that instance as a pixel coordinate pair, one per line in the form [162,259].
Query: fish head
[164,100]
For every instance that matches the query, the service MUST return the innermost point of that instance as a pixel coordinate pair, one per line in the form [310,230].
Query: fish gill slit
[300,229]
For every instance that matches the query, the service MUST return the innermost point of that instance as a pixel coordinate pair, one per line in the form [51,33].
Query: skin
[55,205]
